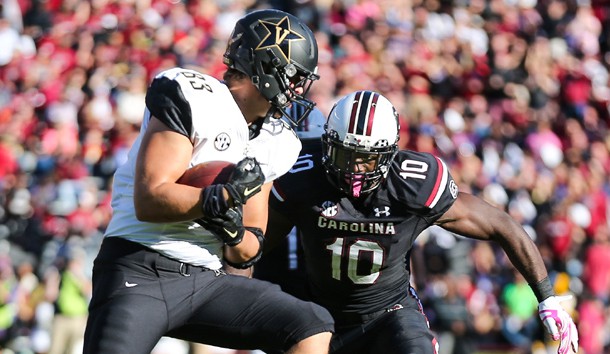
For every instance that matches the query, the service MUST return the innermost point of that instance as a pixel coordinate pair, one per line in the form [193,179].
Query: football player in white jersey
[360,204]
[159,270]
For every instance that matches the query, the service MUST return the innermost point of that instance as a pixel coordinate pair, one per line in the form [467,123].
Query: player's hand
[246,180]
[228,227]
[558,323]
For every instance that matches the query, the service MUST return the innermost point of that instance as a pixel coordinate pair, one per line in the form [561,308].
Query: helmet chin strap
[273,112]
[255,127]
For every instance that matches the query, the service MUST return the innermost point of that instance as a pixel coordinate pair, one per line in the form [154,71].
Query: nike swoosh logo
[249,191]
[232,234]
[130,285]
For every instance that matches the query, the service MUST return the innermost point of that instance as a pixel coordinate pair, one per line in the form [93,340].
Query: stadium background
[513,94]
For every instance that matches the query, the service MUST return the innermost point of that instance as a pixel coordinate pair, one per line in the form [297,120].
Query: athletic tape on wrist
[543,289]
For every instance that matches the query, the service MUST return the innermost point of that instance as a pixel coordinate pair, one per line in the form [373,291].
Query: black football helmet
[280,55]
[361,130]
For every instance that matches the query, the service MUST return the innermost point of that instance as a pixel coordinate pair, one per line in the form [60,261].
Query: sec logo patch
[222,141]
[329,209]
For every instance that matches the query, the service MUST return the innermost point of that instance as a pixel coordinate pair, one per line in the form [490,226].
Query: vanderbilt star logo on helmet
[280,36]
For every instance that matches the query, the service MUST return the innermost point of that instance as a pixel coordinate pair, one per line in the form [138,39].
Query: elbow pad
[249,263]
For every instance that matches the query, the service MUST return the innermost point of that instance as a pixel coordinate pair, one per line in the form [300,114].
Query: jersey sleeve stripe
[439,185]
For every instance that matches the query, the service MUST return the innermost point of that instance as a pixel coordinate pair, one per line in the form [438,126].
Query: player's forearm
[473,217]
[521,251]
[169,202]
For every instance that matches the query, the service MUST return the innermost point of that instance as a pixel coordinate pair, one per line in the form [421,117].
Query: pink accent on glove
[558,323]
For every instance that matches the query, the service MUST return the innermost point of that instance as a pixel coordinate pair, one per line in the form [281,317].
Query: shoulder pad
[421,181]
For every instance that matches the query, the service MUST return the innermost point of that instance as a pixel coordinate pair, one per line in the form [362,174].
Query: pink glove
[559,323]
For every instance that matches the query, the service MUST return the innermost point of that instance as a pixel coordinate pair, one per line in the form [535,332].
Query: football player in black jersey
[359,204]
[159,269]
[283,264]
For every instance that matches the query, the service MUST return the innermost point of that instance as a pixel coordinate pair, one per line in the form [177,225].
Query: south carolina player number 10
[352,253]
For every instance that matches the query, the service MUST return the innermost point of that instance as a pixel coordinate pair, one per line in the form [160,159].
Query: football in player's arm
[360,204]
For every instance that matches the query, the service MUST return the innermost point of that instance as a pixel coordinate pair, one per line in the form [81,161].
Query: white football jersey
[202,108]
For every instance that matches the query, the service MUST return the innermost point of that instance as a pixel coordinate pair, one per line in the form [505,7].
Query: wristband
[543,289]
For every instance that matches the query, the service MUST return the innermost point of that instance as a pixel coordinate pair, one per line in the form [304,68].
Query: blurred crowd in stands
[513,94]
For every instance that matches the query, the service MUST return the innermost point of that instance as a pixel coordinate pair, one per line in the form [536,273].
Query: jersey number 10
[351,255]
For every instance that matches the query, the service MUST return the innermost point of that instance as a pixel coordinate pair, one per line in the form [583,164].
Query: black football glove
[213,202]
[228,227]
[245,181]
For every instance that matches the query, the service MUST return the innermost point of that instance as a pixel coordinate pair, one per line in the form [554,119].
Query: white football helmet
[360,141]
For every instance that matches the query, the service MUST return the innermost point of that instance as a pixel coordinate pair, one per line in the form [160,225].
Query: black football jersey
[357,251]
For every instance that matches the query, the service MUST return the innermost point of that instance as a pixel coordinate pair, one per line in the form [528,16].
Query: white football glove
[558,323]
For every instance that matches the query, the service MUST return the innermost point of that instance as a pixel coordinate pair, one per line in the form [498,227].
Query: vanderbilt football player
[159,272]
[360,204]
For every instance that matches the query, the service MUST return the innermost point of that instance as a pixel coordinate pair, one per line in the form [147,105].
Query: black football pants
[402,330]
[140,296]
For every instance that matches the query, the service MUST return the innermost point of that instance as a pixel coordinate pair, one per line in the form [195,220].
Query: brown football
[207,173]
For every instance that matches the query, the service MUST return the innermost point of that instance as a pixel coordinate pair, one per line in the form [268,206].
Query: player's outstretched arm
[472,217]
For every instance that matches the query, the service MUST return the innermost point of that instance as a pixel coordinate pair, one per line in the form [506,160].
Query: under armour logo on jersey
[280,36]
[329,209]
[222,141]
[384,212]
